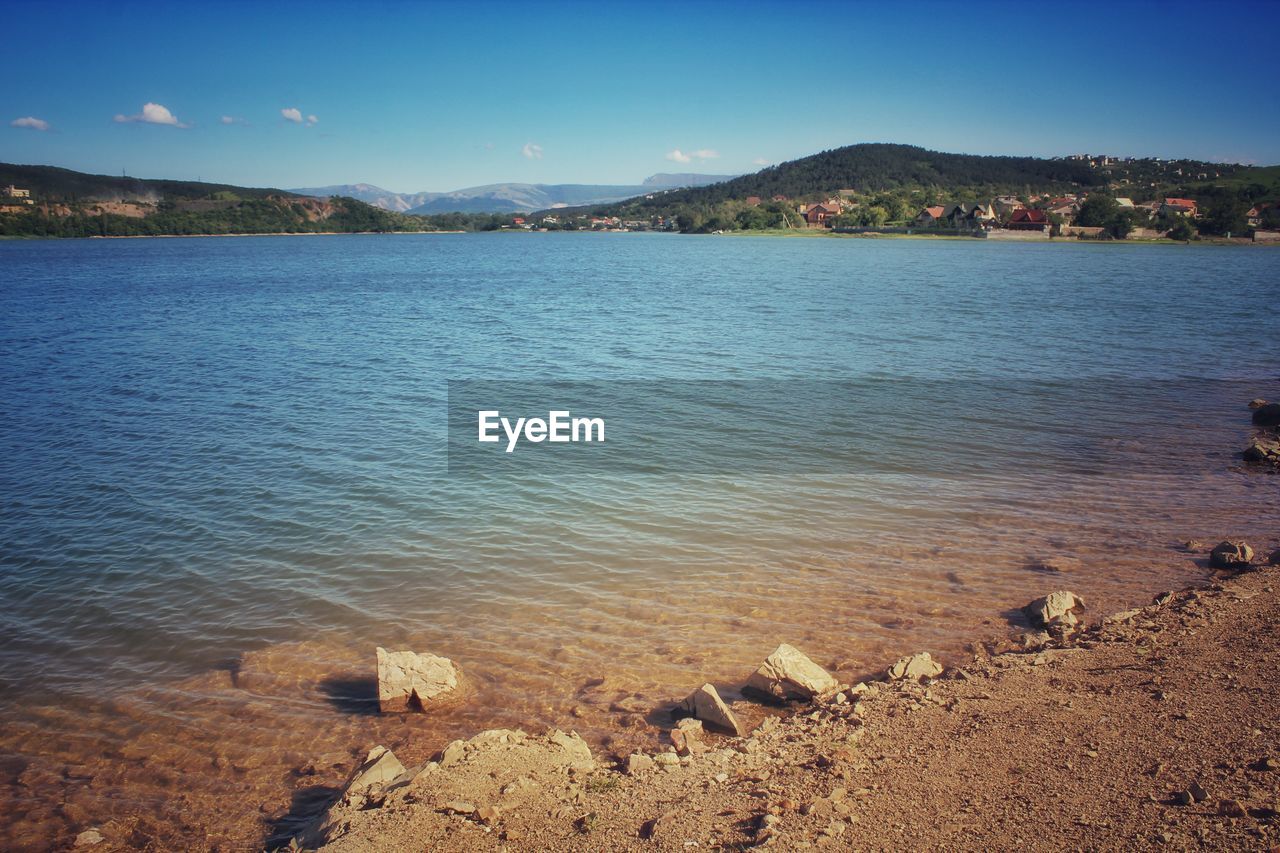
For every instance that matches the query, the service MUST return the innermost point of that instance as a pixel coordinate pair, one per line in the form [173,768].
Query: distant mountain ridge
[509,197]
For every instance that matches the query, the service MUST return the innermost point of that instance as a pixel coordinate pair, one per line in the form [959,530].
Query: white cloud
[30,122]
[292,114]
[233,120]
[532,151]
[312,120]
[678,156]
[153,114]
[760,161]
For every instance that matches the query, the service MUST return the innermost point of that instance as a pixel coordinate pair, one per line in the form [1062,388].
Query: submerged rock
[705,704]
[88,838]
[1230,555]
[1257,403]
[915,667]
[1060,609]
[789,674]
[411,681]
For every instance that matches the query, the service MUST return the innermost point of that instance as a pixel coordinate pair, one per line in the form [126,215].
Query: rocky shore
[1155,727]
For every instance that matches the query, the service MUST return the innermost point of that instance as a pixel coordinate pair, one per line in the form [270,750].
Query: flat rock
[789,674]
[915,667]
[1229,554]
[412,681]
[1060,609]
[705,704]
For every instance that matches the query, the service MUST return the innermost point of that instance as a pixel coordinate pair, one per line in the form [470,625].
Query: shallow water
[224,482]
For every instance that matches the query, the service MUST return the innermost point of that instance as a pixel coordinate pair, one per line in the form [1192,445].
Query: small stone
[705,704]
[915,667]
[788,674]
[1230,555]
[488,815]
[1183,798]
[410,681]
[1231,808]
[1197,793]
[721,777]
[379,768]
[654,828]
[88,838]
[1257,403]
[1060,609]
[1274,559]
[458,807]
[666,759]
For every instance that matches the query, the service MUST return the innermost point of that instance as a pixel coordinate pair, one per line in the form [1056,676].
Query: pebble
[1231,808]
[1197,793]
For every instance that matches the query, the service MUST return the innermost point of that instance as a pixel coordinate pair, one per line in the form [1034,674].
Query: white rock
[705,704]
[789,674]
[379,769]
[1058,609]
[915,667]
[407,680]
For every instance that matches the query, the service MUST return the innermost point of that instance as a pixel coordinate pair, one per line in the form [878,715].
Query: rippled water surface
[224,482]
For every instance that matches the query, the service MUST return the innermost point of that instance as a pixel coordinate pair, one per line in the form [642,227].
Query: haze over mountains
[510,197]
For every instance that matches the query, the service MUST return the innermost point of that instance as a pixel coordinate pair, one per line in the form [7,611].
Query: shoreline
[1099,735]
[806,233]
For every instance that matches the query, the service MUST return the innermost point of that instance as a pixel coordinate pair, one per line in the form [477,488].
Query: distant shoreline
[808,233]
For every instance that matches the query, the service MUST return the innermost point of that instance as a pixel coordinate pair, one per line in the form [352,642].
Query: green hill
[51,183]
[876,167]
[74,204]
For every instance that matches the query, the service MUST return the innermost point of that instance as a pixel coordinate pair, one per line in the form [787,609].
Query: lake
[226,476]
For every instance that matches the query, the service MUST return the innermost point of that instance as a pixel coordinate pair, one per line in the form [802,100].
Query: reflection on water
[224,485]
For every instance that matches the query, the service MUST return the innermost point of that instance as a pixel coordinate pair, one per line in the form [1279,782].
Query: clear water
[223,482]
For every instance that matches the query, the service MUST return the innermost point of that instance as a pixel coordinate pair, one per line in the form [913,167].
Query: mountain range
[510,197]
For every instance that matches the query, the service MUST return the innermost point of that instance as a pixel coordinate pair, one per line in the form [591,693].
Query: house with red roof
[1180,206]
[932,216]
[821,215]
[1028,219]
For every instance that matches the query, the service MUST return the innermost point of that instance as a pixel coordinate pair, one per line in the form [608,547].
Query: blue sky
[438,96]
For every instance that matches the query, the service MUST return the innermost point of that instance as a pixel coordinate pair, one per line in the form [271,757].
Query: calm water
[223,482]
